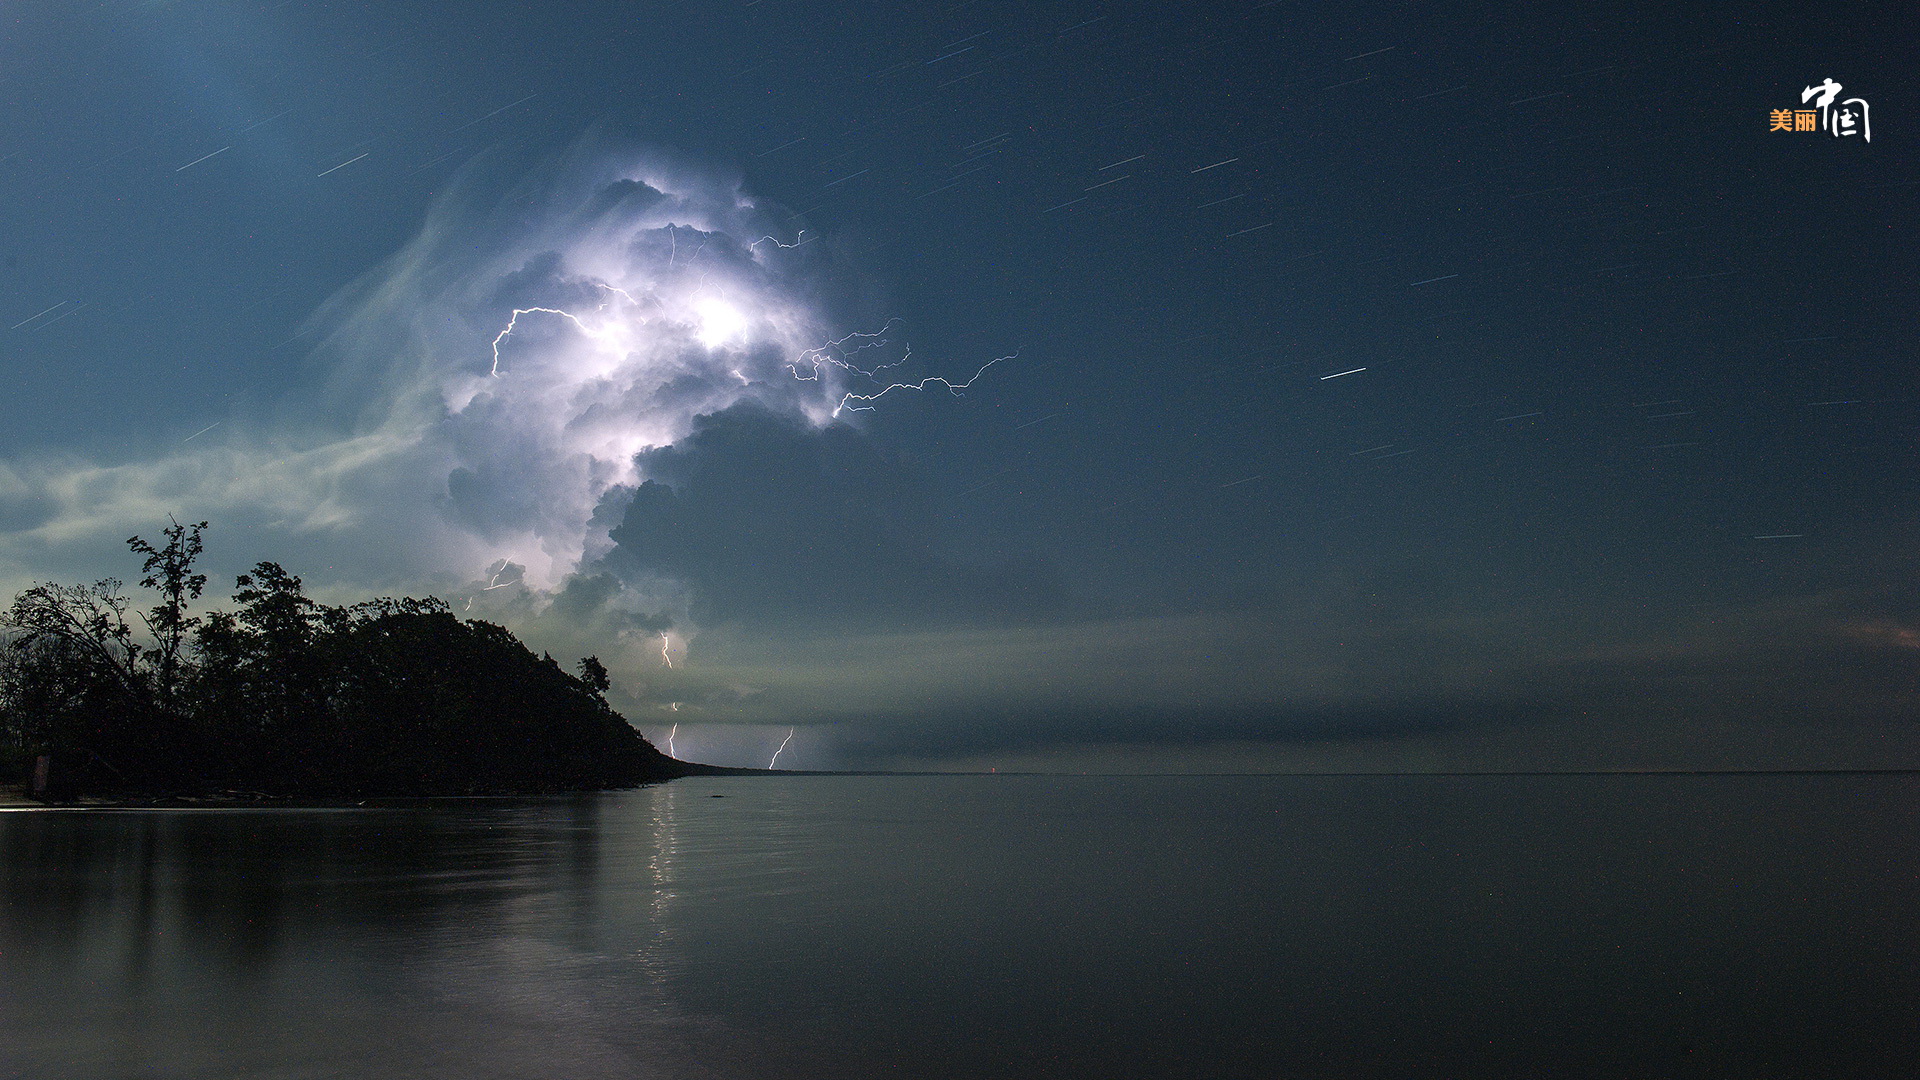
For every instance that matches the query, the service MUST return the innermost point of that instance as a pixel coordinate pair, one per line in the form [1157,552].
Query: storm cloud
[621,404]
[493,385]
[774,520]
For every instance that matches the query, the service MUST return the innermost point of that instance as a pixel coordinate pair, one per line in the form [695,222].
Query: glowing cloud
[497,391]
[632,298]
[618,300]
[494,381]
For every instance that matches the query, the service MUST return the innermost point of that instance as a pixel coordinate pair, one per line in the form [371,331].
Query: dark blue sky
[1384,384]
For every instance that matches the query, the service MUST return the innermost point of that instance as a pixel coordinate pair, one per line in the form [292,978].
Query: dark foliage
[286,697]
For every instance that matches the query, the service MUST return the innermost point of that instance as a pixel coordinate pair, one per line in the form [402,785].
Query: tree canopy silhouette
[284,696]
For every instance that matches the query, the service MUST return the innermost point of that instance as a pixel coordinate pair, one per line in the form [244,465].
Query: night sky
[1091,385]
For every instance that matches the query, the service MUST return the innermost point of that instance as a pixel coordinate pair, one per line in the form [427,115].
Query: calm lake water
[848,927]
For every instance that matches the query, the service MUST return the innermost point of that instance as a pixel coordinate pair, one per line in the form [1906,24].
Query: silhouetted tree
[75,689]
[288,696]
[278,631]
[169,571]
[594,674]
[89,623]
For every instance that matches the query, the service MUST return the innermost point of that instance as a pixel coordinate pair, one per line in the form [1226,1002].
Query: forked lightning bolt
[798,242]
[804,368]
[815,358]
[783,746]
[952,387]
[507,330]
[517,312]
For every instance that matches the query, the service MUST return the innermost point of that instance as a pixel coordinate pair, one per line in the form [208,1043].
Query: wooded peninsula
[288,698]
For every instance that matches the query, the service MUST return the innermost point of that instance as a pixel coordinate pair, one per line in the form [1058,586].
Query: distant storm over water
[499,387]
[506,371]
[1010,385]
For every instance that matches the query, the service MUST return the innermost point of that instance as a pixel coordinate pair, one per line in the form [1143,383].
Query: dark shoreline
[13,797]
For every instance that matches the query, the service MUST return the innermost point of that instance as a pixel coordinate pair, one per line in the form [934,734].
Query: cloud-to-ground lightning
[782,748]
[671,732]
[501,448]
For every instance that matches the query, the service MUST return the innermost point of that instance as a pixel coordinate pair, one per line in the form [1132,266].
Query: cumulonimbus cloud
[541,343]
[493,382]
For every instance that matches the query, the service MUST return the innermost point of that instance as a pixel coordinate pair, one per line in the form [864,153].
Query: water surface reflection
[980,927]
